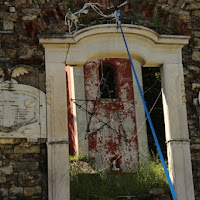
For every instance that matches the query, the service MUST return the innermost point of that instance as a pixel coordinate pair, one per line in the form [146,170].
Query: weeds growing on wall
[107,186]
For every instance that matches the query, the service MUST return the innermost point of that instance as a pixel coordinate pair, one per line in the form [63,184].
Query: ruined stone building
[63,93]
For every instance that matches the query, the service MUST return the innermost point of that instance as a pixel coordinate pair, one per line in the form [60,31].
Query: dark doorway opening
[152,93]
[108,81]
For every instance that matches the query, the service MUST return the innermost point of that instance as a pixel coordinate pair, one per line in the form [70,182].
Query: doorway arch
[147,48]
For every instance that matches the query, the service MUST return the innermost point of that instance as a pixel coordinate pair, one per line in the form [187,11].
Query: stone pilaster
[176,128]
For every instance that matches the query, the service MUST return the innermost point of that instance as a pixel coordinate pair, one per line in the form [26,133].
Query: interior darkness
[152,88]
[108,82]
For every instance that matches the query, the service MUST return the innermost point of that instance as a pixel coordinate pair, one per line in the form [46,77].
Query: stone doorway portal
[147,48]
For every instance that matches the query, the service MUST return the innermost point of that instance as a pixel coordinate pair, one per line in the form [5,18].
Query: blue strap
[117,14]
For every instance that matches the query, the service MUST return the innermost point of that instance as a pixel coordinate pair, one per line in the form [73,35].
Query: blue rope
[117,14]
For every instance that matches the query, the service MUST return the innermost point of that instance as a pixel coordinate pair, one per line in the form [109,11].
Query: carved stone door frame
[147,48]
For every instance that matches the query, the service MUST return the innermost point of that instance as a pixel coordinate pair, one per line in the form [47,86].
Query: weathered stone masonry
[22,20]
[23,169]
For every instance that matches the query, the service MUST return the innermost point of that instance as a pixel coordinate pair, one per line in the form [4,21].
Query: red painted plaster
[106,142]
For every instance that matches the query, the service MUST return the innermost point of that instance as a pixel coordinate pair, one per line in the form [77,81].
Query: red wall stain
[113,123]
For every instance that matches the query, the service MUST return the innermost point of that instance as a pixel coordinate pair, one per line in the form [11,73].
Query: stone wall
[23,170]
[20,23]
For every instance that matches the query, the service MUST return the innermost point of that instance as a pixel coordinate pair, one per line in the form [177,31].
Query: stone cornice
[112,28]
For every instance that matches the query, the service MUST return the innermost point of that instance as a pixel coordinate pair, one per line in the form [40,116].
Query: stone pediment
[22,111]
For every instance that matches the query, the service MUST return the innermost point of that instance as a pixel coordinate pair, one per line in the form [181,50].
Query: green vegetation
[107,186]
[82,157]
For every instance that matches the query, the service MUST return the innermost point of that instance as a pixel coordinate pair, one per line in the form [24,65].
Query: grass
[107,186]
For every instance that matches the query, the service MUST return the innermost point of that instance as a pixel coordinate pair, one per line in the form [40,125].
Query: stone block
[196,56]
[194,68]
[31,11]
[42,1]
[197,33]
[6,169]
[8,151]
[29,17]
[195,147]
[19,2]
[197,141]
[197,45]
[30,1]
[195,86]
[2,53]
[16,190]
[12,179]
[8,141]
[9,16]
[31,149]
[2,179]
[194,6]
[25,166]
[185,16]
[29,179]
[30,191]
[8,25]
[11,53]
[12,9]
[4,191]
[7,3]
[196,13]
